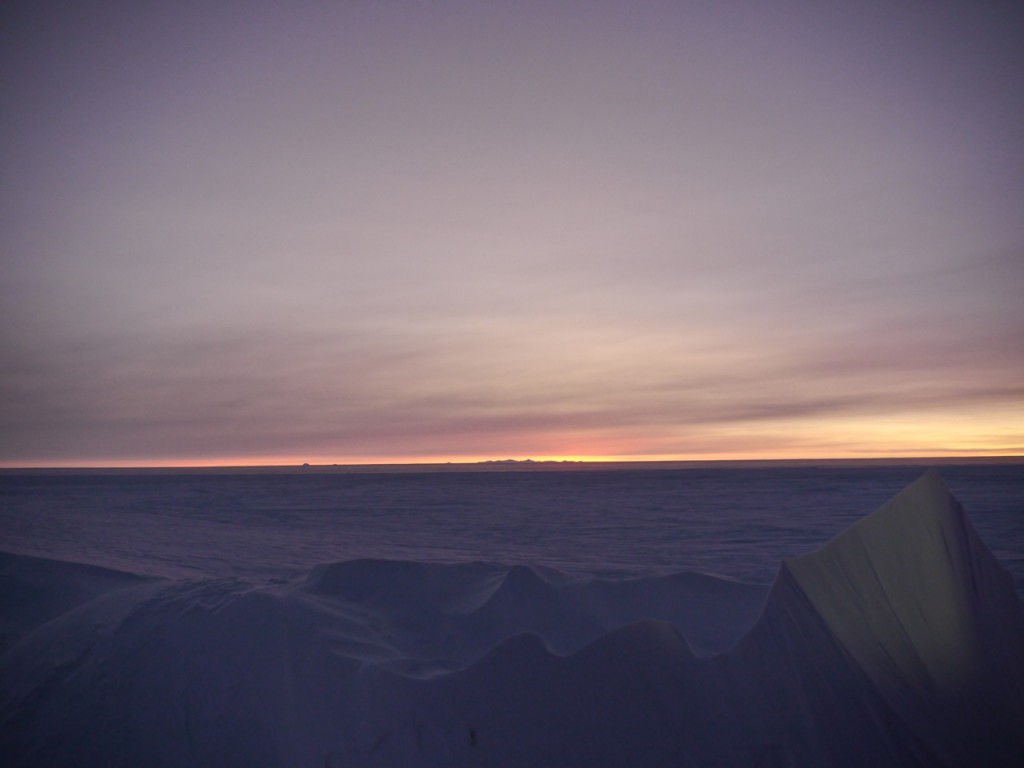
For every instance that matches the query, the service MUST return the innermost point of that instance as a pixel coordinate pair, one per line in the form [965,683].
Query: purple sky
[357,231]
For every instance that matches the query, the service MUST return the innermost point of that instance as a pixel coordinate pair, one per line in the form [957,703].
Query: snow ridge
[899,643]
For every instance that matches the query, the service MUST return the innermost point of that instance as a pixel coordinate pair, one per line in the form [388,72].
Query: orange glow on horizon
[993,434]
[427,461]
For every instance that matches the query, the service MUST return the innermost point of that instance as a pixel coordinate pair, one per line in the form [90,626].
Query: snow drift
[899,643]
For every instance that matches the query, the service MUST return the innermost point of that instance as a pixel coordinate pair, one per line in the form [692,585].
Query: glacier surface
[898,643]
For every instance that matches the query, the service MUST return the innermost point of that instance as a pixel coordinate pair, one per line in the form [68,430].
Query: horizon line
[512,464]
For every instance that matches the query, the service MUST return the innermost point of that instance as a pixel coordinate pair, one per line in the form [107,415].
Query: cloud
[398,230]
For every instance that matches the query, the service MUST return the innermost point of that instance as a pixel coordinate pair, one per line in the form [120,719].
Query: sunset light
[428,232]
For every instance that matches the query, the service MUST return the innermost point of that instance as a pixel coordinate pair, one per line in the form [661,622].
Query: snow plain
[899,642]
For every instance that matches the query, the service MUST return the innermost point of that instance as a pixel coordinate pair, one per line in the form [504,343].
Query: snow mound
[923,608]
[899,643]
[37,590]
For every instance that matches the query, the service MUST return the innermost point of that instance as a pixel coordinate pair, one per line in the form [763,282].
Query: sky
[355,232]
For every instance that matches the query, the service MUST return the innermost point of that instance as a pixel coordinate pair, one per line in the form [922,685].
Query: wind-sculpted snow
[899,643]
[36,590]
[932,625]
[452,614]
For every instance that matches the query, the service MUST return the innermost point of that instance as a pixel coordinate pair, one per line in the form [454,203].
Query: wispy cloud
[409,230]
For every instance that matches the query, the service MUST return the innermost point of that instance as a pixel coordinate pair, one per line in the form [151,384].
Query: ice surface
[898,643]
